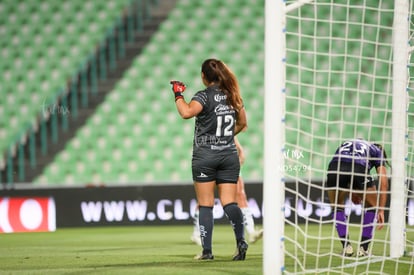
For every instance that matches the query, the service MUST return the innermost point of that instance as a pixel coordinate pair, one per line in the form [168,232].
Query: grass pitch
[317,250]
[122,250]
[168,250]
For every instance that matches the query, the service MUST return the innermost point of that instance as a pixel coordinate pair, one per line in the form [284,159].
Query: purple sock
[341,226]
[368,228]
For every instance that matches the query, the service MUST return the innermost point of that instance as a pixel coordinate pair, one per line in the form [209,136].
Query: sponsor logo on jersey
[222,109]
[219,98]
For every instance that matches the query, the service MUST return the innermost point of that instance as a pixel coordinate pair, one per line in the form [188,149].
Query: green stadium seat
[136,135]
[41,49]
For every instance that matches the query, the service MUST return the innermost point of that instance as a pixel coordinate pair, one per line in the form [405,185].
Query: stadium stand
[135,135]
[142,139]
[45,46]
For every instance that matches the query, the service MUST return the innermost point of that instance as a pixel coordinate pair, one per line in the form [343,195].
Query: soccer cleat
[204,257]
[195,238]
[255,236]
[348,251]
[363,253]
[241,251]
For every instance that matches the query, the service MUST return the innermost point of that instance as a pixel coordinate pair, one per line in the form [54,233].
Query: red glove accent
[178,88]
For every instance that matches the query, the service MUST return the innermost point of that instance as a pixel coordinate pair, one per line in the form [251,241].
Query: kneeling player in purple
[349,173]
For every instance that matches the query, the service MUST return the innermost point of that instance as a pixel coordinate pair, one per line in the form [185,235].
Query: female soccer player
[220,115]
[253,234]
[349,172]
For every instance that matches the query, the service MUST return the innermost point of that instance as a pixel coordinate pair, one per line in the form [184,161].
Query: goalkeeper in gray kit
[219,116]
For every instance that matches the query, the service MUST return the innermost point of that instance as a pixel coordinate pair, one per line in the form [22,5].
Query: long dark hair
[384,154]
[217,71]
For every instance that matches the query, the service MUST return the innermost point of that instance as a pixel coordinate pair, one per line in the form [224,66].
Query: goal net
[342,76]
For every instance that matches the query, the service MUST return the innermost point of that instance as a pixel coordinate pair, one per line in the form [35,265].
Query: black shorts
[349,175]
[221,167]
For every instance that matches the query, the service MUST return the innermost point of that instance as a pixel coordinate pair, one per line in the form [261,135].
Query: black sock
[344,240]
[365,243]
[206,222]
[235,217]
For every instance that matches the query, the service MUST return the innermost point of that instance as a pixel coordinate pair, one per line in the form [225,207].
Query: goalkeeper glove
[178,88]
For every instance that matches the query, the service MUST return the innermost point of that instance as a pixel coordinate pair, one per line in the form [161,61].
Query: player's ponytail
[217,71]
[384,154]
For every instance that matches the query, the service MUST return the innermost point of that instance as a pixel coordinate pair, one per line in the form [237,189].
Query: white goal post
[273,196]
[399,126]
[334,69]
